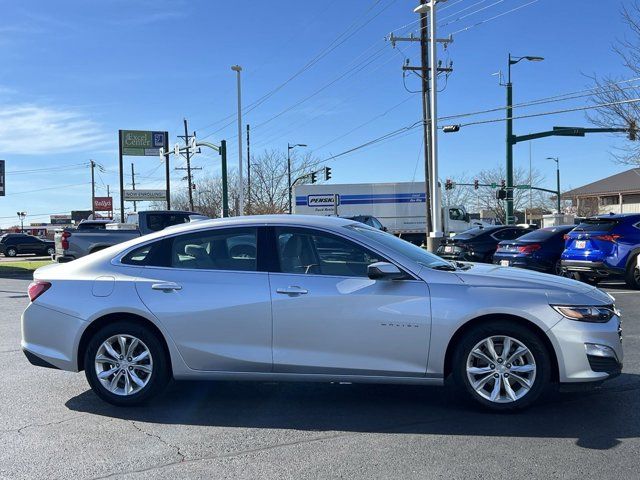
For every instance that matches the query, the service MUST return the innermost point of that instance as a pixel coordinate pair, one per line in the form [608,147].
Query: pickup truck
[94,235]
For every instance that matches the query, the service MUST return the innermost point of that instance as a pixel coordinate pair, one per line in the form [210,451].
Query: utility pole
[248,173]
[133,186]
[186,141]
[428,96]
[426,114]
[189,178]
[238,69]
[436,212]
[93,189]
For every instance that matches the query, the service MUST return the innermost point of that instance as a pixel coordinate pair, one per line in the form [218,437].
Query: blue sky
[74,72]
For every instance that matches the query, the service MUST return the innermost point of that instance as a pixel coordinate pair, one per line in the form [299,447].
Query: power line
[555,112]
[46,169]
[49,188]
[338,41]
[494,17]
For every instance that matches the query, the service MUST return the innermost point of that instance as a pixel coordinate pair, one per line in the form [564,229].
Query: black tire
[557,269]
[11,252]
[632,275]
[159,376]
[51,251]
[518,332]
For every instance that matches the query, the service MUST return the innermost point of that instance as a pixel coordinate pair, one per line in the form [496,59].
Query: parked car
[368,220]
[12,244]
[478,244]
[290,298]
[605,246]
[93,236]
[538,250]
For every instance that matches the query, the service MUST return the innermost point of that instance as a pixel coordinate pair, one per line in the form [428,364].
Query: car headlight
[586,314]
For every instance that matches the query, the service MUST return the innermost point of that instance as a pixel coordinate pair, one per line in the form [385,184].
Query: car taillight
[65,240]
[37,288]
[529,248]
[607,238]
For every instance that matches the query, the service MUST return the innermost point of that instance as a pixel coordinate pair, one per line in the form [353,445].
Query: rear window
[160,221]
[475,232]
[545,234]
[91,226]
[597,225]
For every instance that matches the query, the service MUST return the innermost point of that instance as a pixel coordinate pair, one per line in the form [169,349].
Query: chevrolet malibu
[304,298]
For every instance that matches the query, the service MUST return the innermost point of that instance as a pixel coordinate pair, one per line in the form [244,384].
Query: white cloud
[33,130]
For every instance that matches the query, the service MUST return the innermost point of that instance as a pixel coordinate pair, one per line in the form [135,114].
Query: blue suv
[605,246]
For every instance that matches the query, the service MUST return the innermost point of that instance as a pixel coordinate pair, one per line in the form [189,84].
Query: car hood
[559,290]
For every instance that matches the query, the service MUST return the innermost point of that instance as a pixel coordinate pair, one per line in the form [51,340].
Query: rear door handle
[293,290]
[166,287]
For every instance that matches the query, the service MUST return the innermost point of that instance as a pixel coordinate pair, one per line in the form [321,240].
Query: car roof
[283,219]
[617,216]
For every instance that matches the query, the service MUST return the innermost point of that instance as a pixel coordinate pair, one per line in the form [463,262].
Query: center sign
[142,143]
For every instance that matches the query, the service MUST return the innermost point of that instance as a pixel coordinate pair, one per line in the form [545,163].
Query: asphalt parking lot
[52,426]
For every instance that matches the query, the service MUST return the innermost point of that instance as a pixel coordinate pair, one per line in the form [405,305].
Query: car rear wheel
[11,252]
[125,364]
[632,277]
[501,365]
[51,251]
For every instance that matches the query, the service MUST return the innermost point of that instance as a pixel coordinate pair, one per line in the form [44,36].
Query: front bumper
[571,339]
[52,337]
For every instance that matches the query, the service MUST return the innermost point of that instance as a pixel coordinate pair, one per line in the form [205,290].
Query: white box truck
[400,207]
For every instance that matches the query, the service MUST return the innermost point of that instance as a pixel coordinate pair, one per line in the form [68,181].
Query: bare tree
[459,195]
[269,187]
[485,197]
[612,90]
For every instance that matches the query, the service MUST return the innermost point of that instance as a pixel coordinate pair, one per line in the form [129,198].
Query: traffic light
[476,184]
[503,184]
[448,185]
[501,194]
[632,130]
[451,128]
[327,173]
[314,177]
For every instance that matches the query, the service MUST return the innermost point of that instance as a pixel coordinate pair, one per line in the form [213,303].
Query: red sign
[103,204]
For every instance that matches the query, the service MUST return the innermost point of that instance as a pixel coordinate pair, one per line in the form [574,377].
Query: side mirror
[384,271]
[384,229]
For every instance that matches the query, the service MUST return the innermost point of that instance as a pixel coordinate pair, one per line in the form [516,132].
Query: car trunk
[593,237]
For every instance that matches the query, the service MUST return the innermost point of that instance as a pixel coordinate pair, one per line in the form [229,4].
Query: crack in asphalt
[181,455]
[19,430]
[269,447]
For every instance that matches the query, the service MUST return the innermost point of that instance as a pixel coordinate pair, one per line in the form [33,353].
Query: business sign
[60,220]
[323,200]
[145,195]
[142,143]
[103,204]
[2,193]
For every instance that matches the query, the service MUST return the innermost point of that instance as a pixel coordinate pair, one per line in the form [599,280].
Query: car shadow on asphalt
[596,419]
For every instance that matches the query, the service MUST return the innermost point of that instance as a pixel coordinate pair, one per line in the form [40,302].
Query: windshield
[475,232]
[409,250]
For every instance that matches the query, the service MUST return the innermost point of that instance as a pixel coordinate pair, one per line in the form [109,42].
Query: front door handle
[166,286]
[292,290]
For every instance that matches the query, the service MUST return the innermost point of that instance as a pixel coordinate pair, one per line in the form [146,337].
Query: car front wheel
[632,276]
[125,364]
[501,365]
[11,252]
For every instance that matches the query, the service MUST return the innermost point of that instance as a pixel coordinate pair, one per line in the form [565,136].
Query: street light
[557,160]
[510,140]
[289,148]
[21,216]
[238,69]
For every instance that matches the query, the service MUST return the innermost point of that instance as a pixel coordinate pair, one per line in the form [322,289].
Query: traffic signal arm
[568,132]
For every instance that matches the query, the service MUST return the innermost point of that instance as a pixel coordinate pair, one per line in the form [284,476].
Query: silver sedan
[303,298]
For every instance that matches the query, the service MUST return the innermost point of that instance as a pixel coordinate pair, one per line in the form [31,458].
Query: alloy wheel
[501,369]
[123,364]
